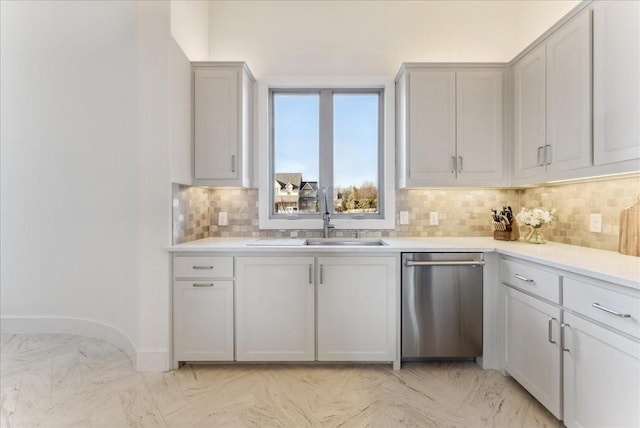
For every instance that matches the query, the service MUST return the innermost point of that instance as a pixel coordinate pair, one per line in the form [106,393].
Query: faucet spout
[326,216]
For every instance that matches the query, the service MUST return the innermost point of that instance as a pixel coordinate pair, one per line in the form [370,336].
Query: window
[321,116]
[326,146]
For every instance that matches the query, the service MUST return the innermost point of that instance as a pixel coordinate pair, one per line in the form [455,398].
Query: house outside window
[327,145]
[326,142]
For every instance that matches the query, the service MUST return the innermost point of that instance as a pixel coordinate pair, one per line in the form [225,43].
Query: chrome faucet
[326,216]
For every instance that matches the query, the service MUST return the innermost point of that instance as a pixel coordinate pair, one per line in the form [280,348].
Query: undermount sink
[346,242]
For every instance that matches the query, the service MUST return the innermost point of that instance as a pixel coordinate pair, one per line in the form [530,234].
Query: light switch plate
[595,223]
[222,219]
[433,218]
[404,217]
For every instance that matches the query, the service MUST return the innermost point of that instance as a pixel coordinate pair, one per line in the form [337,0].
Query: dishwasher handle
[410,263]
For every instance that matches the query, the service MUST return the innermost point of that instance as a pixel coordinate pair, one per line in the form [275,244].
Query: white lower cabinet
[532,347]
[357,308]
[581,359]
[601,376]
[275,309]
[203,320]
[601,343]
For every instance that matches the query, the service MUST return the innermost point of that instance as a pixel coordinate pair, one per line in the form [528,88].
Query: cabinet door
[601,376]
[275,314]
[203,320]
[616,86]
[216,124]
[569,95]
[532,350]
[431,126]
[529,85]
[479,125]
[357,308]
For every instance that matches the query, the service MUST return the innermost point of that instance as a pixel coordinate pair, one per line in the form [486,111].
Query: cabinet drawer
[581,296]
[202,267]
[531,279]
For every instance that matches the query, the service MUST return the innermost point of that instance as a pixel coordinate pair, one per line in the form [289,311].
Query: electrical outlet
[294,234]
[223,220]
[433,218]
[595,223]
[404,217]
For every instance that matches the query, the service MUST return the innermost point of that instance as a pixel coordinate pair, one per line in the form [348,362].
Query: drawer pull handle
[203,285]
[562,337]
[203,267]
[611,311]
[522,278]
[321,274]
[310,274]
[550,333]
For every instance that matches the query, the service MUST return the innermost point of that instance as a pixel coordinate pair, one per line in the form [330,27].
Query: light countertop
[605,265]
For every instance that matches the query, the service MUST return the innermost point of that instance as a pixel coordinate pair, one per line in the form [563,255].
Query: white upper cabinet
[552,105]
[616,89]
[568,63]
[449,126]
[223,104]
[530,109]
[430,125]
[479,125]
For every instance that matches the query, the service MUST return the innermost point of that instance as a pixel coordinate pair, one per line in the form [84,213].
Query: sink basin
[346,242]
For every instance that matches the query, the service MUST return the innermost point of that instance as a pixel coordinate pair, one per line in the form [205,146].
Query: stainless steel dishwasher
[441,305]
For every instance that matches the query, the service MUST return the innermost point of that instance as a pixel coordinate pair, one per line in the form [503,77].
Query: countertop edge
[612,267]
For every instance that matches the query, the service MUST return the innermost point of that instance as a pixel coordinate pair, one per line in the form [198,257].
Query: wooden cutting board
[629,242]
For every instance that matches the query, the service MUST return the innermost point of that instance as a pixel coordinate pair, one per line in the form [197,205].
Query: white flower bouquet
[535,217]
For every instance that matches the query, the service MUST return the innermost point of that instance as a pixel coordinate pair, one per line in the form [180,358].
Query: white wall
[69,162]
[154,204]
[85,171]
[190,27]
[374,37]
[535,17]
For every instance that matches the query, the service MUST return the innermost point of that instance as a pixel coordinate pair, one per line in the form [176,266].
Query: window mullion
[326,149]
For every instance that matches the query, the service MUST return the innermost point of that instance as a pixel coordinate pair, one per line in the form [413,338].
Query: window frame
[385,218]
[326,148]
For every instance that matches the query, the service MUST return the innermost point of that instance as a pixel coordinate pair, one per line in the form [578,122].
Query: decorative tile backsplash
[190,213]
[573,204]
[461,212]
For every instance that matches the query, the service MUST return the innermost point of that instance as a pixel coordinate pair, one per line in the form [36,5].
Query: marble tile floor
[52,380]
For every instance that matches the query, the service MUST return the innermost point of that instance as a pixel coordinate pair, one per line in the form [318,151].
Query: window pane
[355,153]
[296,164]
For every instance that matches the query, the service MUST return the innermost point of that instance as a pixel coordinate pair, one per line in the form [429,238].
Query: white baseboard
[153,360]
[145,360]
